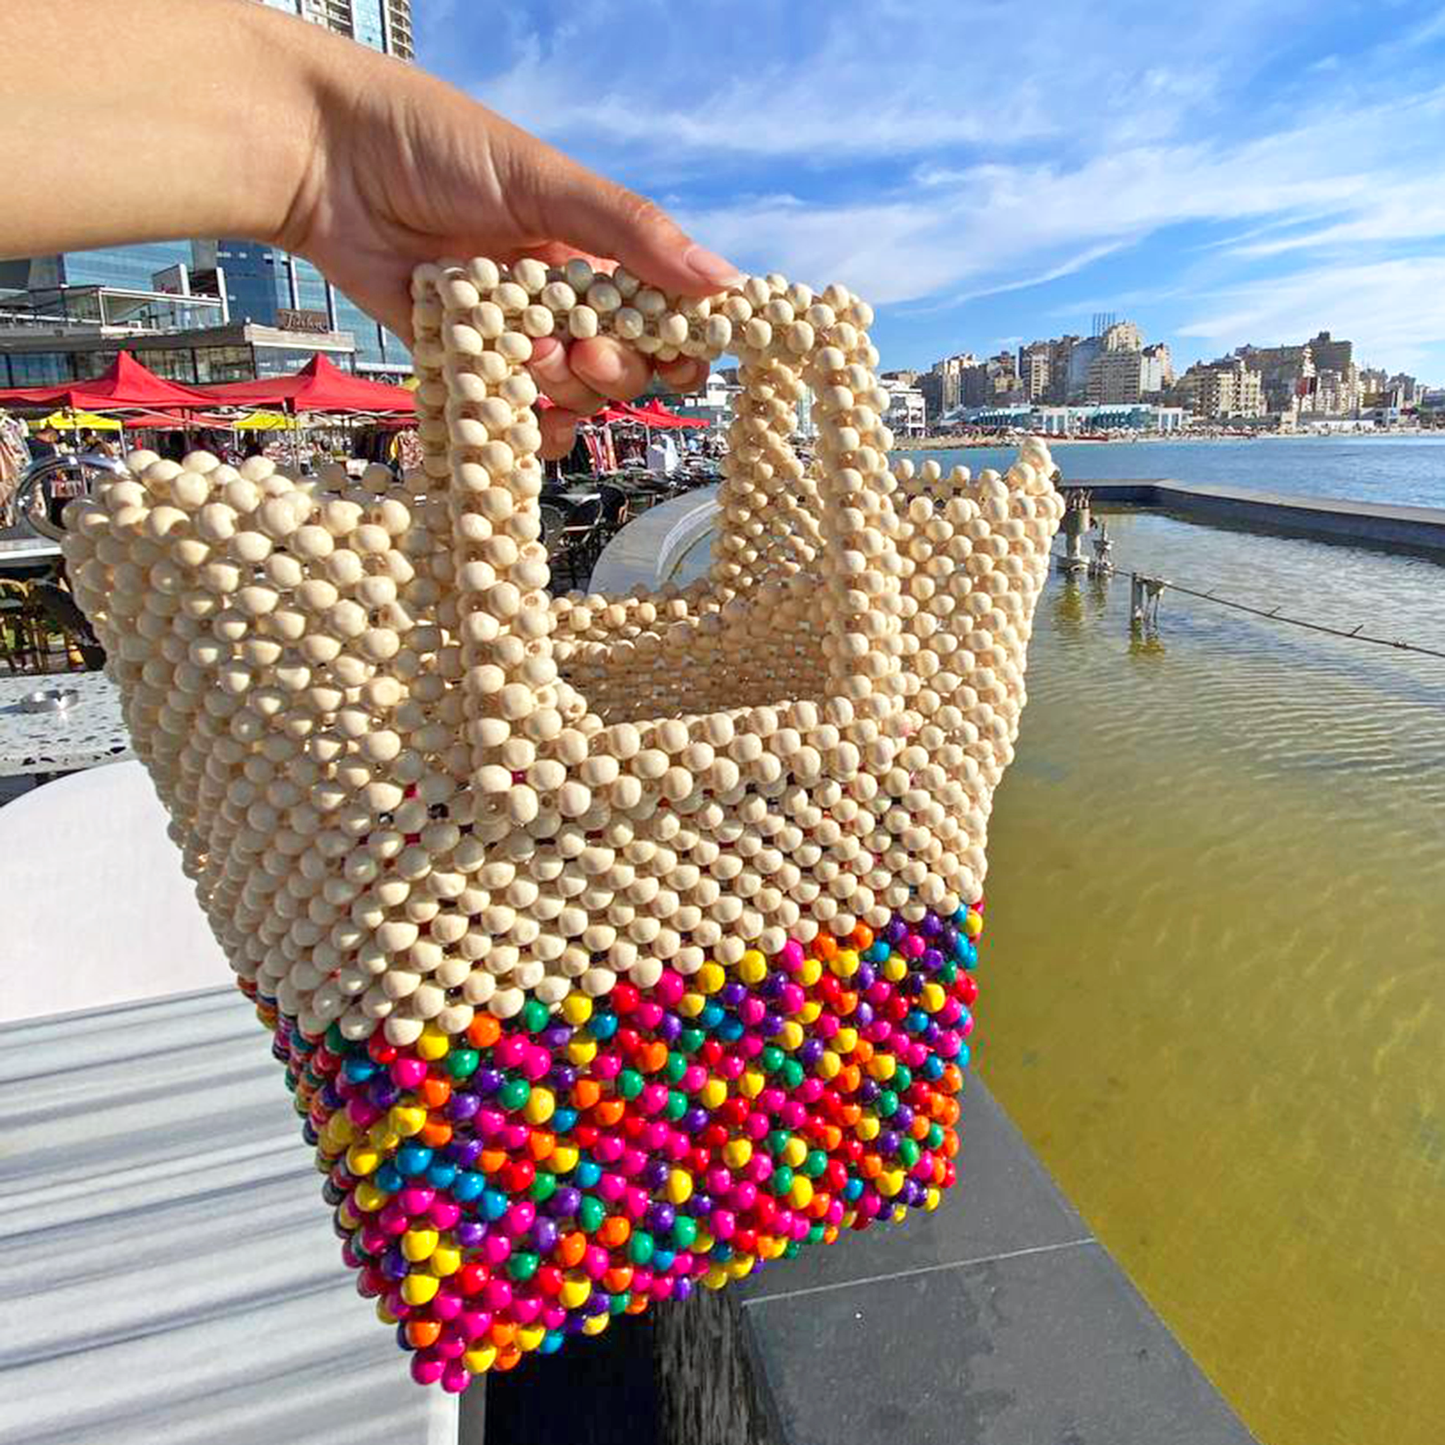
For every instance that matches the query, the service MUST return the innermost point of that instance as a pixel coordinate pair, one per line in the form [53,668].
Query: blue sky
[987,173]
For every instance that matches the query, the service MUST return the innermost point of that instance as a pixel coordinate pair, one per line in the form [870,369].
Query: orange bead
[508,1358]
[502,1333]
[847,1002]
[864,1052]
[571,1248]
[435,1092]
[850,1114]
[849,1078]
[615,1232]
[585,1093]
[952,1080]
[493,1161]
[919,1127]
[607,1112]
[870,1166]
[862,937]
[654,1057]
[618,1279]
[637,1304]
[950,1144]
[435,1133]
[830,1234]
[421,1333]
[542,1143]
[832,1136]
[825,946]
[483,1031]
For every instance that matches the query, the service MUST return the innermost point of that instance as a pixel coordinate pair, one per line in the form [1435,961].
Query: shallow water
[1214,982]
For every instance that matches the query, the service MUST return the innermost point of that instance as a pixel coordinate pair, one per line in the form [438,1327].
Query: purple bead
[596,1303]
[393,1263]
[932,925]
[695,1120]
[772,1023]
[811,1052]
[866,976]
[733,994]
[772,985]
[558,1036]
[469,1232]
[463,1152]
[933,959]
[863,1015]
[930,1034]
[948,938]
[700,1206]
[903,1117]
[563,1076]
[661,1216]
[895,932]
[572,1325]
[461,1107]
[487,1081]
[331,1095]
[656,1174]
[669,1028]
[544,1235]
[565,1202]
[868,1092]
[888,1142]
[682,1289]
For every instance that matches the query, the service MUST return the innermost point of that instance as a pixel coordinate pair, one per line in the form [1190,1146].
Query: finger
[553,373]
[685,374]
[609,367]
[559,432]
[553,196]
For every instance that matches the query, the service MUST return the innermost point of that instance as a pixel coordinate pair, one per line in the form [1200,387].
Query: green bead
[590,1213]
[617,1304]
[684,1232]
[908,1152]
[337,1041]
[792,1073]
[462,1063]
[523,1264]
[778,1140]
[935,1136]
[782,1180]
[815,1163]
[902,1078]
[544,1186]
[640,1247]
[815,1234]
[677,1104]
[629,1083]
[791,1248]
[948,973]
[514,1094]
[771,1059]
[675,1069]
[887,1104]
[691,1040]
[535,1016]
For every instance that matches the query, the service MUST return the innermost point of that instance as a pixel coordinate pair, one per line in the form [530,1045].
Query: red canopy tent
[318,386]
[653,413]
[126,386]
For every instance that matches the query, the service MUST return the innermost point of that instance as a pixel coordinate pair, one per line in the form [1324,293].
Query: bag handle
[831,528]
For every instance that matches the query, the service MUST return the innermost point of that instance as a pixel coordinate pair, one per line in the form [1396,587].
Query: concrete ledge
[1363,524]
[647,550]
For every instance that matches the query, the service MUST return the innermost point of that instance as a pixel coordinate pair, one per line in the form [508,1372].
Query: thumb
[562,201]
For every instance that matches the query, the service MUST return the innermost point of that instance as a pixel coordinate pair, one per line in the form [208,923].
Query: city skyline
[1244,175]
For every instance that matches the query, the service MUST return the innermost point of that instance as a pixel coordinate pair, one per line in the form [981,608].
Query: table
[27,556]
[89,732]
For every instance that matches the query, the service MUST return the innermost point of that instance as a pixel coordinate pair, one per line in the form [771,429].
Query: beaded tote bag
[612,945]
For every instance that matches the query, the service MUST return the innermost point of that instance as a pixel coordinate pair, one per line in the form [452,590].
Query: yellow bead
[740,1266]
[829,1065]
[932,1199]
[752,967]
[384,1314]
[737,1152]
[713,1094]
[340,1129]
[679,1186]
[795,1151]
[576,1009]
[369,1197]
[810,972]
[346,1217]
[846,963]
[540,1106]
[419,1244]
[576,1289]
[973,924]
[802,1191]
[932,997]
[752,1083]
[446,1259]
[883,1066]
[790,1036]
[704,1241]
[480,1360]
[867,1127]
[363,1159]
[420,1289]
[711,977]
[846,1040]
[581,1051]
[890,1181]
[691,1004]
[564,1159]
[716,1277]
[433,1043]
[407,1120]
[595,1324]
[530,1337]
[896,969]
[809,1012]
[900,1213]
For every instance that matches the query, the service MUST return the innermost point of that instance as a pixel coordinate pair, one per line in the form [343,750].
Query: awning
[318,386]
[126,386]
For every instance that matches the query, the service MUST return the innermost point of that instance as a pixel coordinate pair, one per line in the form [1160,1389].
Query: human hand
[406,169]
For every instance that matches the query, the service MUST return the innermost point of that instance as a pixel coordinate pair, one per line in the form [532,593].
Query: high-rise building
[384,25]
[1223,389]
[1116,377]
[1035,369]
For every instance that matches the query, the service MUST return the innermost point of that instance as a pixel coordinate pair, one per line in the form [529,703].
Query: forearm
[138,120]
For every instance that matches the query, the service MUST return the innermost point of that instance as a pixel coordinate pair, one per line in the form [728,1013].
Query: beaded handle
[474,328]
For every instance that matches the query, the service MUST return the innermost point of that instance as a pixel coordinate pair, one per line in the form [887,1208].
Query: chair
[22,631]
[60,609]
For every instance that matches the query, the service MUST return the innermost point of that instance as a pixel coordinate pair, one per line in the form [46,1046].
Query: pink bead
[596,1261]
[755,1126]
[744,1195]
[450,1347]
[612,1186]
[474,1323]
[648,1014]
[518,1219]
[719,1180]
[444,1213]
[515,1136]
[497,1294]
[669,988]
[362,1114]
[730,1067]
[393,1219]
[537,1064]
[661,1287]
[636,1201]
[750,1046]
[374,1239]
[834,1214]
[752,1011]
[554,1316]
[426,1367]
[446,1306]
[608,1149]
[792,1115]
[526,1308]
[811,1089]
[634,1161]
[655,1134]
[408,1073]
[914,946]
[759,1169]
[416,1198]
[693,1078]
[606,1067]
[826,1026]
[654,1098]
[456,1377]
[790,999]
[510,1051]
[791,955]
[723,1223]
[496,1249]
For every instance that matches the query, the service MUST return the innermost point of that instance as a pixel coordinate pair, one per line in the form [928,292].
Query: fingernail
[711,267]
[550,358]
[602,364]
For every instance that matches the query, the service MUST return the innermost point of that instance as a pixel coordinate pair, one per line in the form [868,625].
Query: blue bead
[469,1186]
[853,1190]
[662,1260]
[413,1158]
[587,1173]
[494,1205]
[711,1016]
[358,1070]
[602,1026]
[441,1174]
[730,1030]
[551,1342]
[564,1121]
[388,1177]
[963,1056]
[932,1069]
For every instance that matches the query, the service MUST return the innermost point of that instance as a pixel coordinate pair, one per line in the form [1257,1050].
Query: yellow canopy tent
[67,420]
[262,421]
